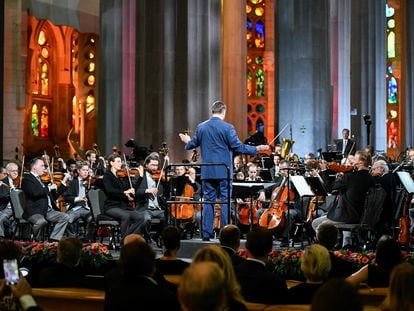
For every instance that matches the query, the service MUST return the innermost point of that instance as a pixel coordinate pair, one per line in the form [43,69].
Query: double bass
[184,211]
[275,216]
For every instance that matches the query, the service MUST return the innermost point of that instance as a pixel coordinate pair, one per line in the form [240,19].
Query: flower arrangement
[94,255]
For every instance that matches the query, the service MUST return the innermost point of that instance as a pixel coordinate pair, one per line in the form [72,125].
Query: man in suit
[76,196]
[230,242]
[346,145]
[353,187]
[257,283]
[217,140]
[40,205]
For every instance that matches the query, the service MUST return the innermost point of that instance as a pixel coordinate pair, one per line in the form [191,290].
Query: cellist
[294,209]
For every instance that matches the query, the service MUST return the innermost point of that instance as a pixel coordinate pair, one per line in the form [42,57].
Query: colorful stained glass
[41,40]
[260,91]
[259,60]
[391,44]
[35,121]
[392,135]
[248,9]
[259,40]
[249,108]
[391,23]
[260,108]
[44,122]
[389,11]
[393,114]
[392,90]
[256,1]
[249,34]
[249,83]
[259,125]
[259,11]
[44,79]
[249,127]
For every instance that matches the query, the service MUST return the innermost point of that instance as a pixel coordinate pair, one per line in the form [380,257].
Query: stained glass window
[35,121]
[392,91]
[256,90]
[44,122]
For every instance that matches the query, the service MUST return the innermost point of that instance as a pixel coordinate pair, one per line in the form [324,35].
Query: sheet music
[253,184]
[407,181]
[301,186]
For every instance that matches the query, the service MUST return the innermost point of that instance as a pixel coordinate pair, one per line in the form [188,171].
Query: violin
[55,178]
[122,173]
[158,175]
[245,216]
[335,167]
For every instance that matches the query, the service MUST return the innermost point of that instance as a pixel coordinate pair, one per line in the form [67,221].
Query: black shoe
[206,239]
[284,243]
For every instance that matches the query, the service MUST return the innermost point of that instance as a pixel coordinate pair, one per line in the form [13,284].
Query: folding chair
[18,201]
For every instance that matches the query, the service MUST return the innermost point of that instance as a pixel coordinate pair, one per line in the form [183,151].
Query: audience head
[315,263]
[259,242]
[69,251]
[133,237]
[338,295]
[216,254]
[170,237]
[388,252]
[203,287]
[230,236]
[327,235]
[137,258]
[400,296]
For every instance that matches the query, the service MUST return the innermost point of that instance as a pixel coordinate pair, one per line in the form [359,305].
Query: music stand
[249,189]
[331,156]
[318,189]
[406,181]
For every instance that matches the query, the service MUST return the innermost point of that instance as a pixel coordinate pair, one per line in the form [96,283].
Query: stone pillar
[303,77]
[234,64]
[409,69]
[110,80]
[368,65]
[177,70]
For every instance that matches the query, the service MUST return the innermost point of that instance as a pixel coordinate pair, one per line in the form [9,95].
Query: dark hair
[388,253]
[69,251]
[153,156]
[80,164]
[230,236]
[34,160]
[218,107]
[259,241]
[70,161]
[170,239]
[89,152]
[112,157]
[327,235]
[336,294]
[137,258]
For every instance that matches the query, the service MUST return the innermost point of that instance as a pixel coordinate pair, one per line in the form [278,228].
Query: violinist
[6,214]
[96,165]
[150,194]
[41,206]
[352,187]
[79,206]
[119,195]
[381,172]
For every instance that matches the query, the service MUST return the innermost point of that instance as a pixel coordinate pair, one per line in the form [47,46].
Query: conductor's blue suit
[217,140]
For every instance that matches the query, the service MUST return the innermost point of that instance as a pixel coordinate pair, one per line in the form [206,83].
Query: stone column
[409,69]
[303,77]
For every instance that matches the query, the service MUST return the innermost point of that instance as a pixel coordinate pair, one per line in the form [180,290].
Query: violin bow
[127,169]
[280,133]
[50,169]
[21,173]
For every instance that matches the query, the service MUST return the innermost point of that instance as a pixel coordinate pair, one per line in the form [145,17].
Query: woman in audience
[400,296]
[169,264]
[377,274]
[215,254]
[315,265]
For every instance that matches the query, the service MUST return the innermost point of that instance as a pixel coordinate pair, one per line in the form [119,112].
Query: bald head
[133,237]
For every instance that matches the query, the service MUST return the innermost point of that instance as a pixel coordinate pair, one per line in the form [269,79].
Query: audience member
[203,288]
[400,295]
[230,242]
[168,263]
[218,255]
[327,235]
[336,294]
[257,283]
[377,274]
[315,265]
[138,287]
[65,272]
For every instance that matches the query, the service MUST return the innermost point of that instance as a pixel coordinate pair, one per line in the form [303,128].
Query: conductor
[217,140]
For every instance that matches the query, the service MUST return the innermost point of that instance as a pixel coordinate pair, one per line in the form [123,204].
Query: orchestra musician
[217,140]
[380,171]
[252,173]
[41,206]
[119,198]
[76,196]
[150,195]
[6,214]
[349,204]
[346,145]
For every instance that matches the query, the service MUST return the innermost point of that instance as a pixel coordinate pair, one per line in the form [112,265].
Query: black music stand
[248,189]
[317,188]
[331,156]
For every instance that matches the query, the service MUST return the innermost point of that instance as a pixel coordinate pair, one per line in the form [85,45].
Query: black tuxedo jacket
[114,189]
[259,285]
[348,146]
[4,194]
[36,197]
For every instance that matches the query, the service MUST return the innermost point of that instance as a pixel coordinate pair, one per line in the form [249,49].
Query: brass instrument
[286,146]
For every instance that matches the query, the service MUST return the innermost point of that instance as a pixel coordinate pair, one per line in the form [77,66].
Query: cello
[274,217]
[246,208]
[184,211]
